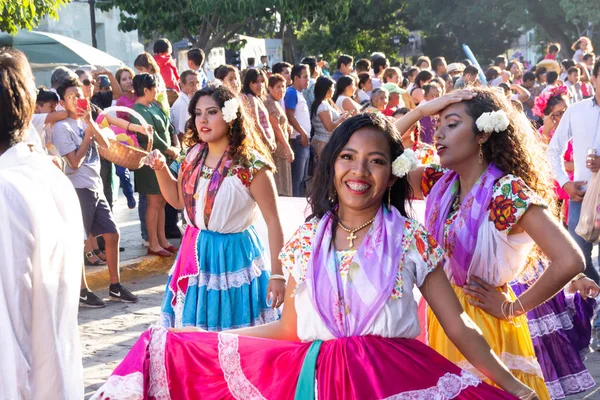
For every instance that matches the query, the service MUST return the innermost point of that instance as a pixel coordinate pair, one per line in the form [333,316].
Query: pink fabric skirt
[208,365]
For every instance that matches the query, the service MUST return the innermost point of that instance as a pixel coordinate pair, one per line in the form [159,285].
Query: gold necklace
[352,232]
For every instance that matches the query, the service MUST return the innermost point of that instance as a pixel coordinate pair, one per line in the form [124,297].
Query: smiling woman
[344,319]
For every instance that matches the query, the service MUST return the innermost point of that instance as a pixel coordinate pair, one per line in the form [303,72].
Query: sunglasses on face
[87,82]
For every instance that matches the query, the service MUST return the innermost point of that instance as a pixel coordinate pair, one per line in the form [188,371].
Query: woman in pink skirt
[350,318]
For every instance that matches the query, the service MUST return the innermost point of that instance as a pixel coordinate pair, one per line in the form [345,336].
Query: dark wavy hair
[323,182]
[243,135]
[341,85]
[515,150]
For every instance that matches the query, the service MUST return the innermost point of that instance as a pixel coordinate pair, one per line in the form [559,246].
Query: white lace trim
[128,387]
[570,384]
[550,323]
[159,385]
[448,387]
[527,365]
[229,280]
[229,360]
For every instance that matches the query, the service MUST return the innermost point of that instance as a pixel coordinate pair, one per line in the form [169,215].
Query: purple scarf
[349,310]
[462,237]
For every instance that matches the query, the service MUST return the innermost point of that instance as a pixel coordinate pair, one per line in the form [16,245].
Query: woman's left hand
[586,287]
[276,292]
[486,296]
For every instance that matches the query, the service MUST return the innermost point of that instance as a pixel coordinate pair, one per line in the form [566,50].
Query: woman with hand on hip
[488,208]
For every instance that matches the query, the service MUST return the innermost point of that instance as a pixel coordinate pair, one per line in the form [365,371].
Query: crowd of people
[502,157]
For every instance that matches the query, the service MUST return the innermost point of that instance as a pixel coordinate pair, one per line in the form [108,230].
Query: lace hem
[448,387]
[550,323]
[570,384]
[229,360]
[159,386]
[527,365]
[175,321]
[128,387]
[229,280]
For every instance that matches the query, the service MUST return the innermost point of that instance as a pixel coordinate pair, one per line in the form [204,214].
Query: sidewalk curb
[131,270]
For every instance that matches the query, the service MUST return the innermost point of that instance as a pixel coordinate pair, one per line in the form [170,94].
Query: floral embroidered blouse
[234,209]
[500,257]
[399,317]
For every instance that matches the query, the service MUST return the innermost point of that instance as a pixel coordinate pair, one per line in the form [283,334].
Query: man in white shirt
[581,122]
[41,232]
[190,84]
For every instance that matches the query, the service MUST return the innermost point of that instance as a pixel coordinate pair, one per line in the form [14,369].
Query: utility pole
[93,22]
[92,4]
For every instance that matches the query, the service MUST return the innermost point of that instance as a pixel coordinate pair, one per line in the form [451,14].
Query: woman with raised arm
[347,329]
[488,208]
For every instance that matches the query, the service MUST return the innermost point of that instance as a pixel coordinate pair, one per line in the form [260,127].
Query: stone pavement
[107,334]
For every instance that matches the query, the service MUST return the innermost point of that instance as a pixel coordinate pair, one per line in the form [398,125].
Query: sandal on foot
[96,263]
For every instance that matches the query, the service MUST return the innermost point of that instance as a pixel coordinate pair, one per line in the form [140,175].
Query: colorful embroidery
[512,198]
[431,175]
[294,256]
[243,173]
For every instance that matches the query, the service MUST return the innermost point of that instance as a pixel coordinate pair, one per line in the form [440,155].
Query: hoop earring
[480,153]
[389,198]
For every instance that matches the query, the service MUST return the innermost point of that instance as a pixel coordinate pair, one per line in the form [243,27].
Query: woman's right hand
[155,160]
[435,106]
[524,392]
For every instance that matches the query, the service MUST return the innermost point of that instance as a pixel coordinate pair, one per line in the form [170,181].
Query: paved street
[107,334]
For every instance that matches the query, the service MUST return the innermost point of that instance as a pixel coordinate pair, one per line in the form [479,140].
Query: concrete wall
[74,22]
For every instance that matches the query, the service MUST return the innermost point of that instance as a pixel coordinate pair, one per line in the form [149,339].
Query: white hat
[455,67]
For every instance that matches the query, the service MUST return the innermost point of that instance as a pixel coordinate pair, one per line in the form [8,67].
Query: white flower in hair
[230,110]
[495,121]
[405,163]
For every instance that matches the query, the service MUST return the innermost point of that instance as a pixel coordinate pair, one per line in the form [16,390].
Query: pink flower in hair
[542,100]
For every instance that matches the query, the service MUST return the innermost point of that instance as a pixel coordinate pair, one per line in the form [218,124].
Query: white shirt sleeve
[16,292]
[558,146]
[179,115]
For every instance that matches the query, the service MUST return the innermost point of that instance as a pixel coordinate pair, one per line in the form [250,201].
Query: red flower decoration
[430,178]
[503,212]
[244,175]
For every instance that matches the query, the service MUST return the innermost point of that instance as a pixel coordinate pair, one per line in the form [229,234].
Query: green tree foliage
[371,26]
[26,14]
[490,27]
[210,23]
[487,26]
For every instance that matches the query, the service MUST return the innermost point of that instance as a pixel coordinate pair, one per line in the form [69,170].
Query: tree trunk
[289,40]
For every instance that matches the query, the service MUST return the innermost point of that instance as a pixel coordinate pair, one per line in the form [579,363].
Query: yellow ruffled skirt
[512,344]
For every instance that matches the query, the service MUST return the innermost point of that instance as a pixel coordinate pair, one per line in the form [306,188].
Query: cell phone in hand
[82,103]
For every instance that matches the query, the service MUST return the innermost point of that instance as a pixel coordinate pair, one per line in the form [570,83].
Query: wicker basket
[121,154]
[125,156]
